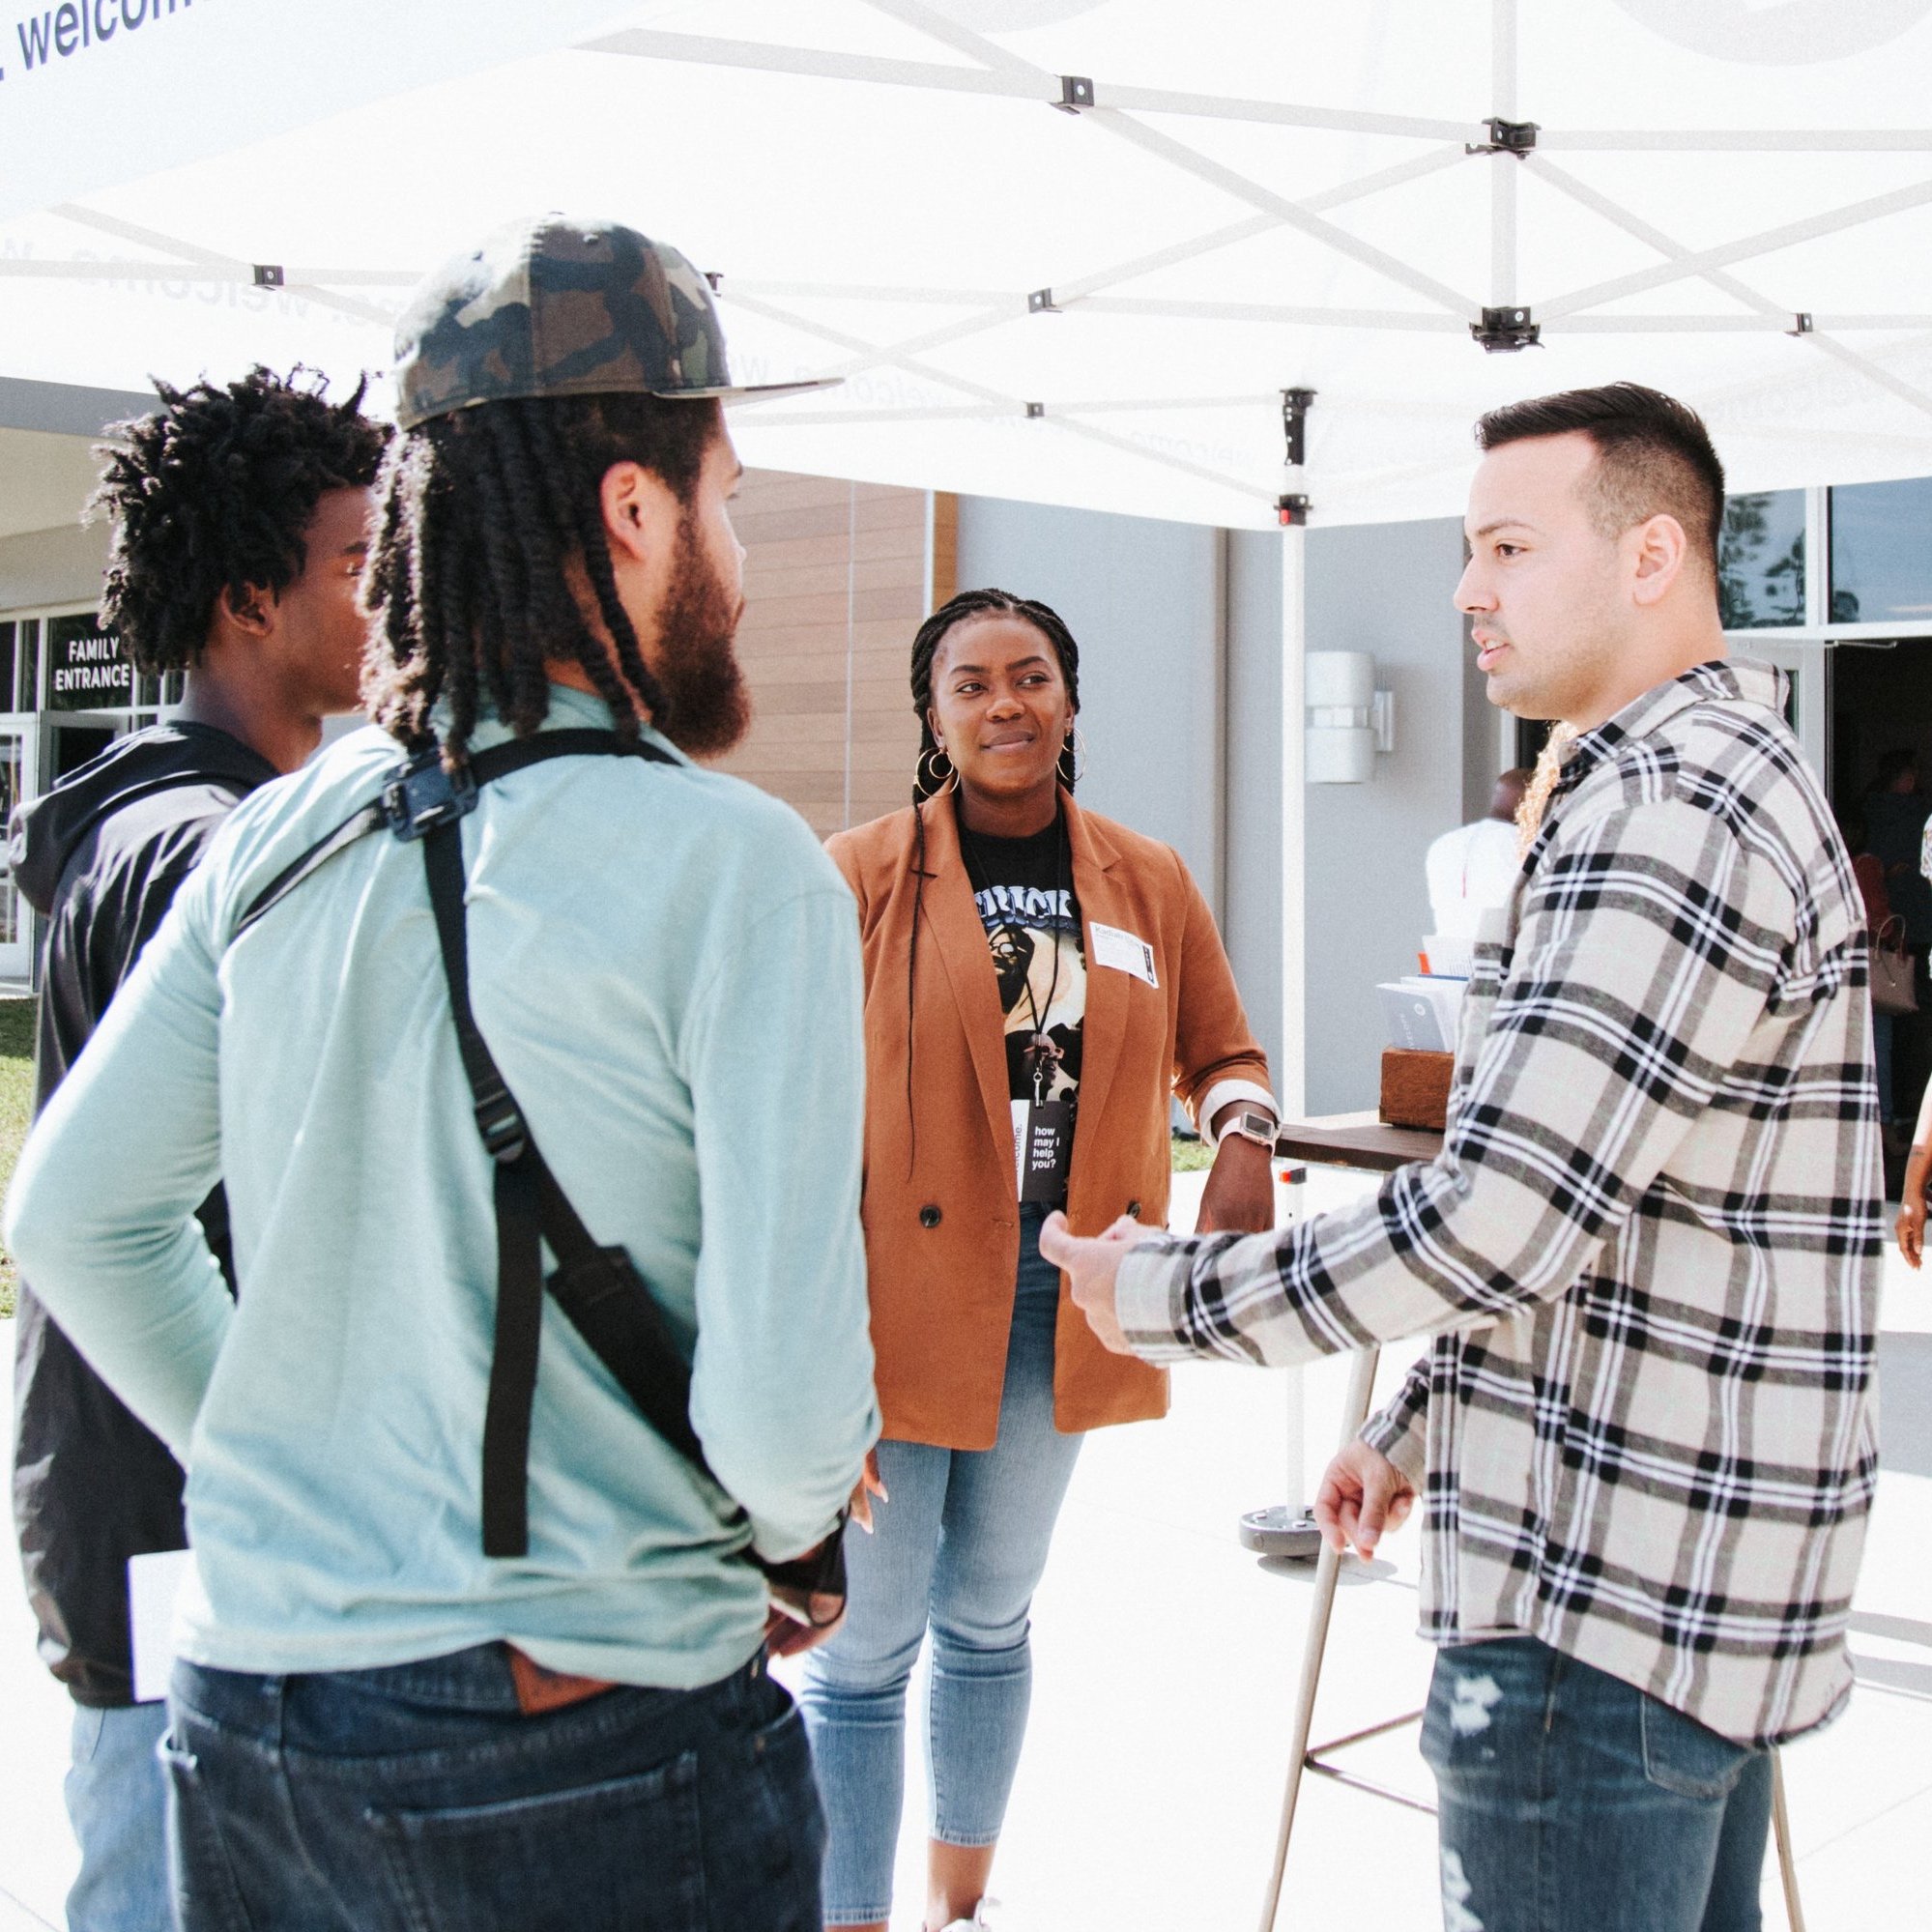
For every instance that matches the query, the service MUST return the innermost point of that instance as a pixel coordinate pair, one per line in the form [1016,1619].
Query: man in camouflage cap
[564,308]
[409,1695]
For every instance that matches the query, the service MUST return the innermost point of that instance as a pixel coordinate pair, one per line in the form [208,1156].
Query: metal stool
[1302,1758]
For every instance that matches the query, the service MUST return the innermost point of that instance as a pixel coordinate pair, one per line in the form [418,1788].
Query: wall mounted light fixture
[1349,719]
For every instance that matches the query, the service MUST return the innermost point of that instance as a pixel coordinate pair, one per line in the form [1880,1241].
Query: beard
[703,707]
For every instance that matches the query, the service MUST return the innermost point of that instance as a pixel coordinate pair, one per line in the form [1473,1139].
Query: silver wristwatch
[1251,1124]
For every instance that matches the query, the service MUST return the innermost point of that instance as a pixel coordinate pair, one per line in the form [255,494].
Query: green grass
[1191,1156]
[16,1107]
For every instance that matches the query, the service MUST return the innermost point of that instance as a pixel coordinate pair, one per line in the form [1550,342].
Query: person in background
[1649,1248]
[239,518]
[535,1697]
[1473,869]
[1869,872]
[1909,1230]
[1040,983]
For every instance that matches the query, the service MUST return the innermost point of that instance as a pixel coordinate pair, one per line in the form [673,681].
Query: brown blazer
[941,1222]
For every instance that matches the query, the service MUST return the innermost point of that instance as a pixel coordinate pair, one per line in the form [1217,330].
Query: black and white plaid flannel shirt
[1649,1248]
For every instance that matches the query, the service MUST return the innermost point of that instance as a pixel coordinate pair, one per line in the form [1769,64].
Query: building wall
[1180,678]
[1144,600]
[1385,590]
[52,567]
[837,579]
[1180,632]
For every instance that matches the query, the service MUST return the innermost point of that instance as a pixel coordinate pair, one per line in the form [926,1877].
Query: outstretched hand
[1092,1264]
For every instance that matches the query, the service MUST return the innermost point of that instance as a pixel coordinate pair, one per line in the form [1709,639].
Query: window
[1761,561]
[1882,553]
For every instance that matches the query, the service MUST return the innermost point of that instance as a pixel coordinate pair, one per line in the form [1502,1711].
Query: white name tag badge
[1123,952]
[153,1582]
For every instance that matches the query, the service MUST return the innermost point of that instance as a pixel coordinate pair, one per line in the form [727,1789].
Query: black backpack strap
[419,794]
[596,1287]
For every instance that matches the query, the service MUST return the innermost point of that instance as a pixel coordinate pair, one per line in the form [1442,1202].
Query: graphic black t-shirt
[1023,890]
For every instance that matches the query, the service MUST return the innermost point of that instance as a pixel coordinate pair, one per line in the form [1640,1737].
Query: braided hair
[490,519]
[928,779]
[211,493]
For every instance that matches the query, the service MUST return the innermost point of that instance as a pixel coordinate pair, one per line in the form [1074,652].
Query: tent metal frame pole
[711,50]
[1503,182]
[1164,147]
[1632,224]
[1291,1076]
[1013,79]
[1765,241]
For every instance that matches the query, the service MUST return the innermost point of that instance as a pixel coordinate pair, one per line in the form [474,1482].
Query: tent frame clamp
[1305,1757]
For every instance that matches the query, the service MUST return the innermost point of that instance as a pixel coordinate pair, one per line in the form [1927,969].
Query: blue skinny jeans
[959,1547]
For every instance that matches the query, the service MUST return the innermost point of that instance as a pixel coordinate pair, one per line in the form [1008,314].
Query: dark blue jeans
[419,1799]
[1571,1801]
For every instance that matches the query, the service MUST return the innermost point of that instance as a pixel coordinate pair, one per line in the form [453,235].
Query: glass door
[17,918]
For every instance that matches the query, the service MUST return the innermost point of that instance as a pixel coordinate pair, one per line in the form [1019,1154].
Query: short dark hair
[482,512]
[1654,456]
[211,492]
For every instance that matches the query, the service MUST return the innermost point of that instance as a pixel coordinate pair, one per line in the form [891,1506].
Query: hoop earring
[934,768]
[1072,758]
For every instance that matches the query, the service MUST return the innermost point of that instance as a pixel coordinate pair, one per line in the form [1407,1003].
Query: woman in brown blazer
[1038,981]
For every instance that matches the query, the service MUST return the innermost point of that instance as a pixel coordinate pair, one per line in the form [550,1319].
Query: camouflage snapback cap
[555,307]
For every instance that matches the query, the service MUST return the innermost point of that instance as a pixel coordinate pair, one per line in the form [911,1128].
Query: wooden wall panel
[838,577]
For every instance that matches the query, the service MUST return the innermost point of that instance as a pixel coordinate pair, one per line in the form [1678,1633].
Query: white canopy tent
[1063,252]
[1099,307]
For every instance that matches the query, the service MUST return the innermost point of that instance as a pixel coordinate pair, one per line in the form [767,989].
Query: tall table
[1361,1141]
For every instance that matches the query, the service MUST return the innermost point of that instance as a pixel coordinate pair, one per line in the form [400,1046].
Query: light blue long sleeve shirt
[666,967]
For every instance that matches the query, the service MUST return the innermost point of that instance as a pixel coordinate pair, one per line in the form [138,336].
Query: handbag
[1893,990]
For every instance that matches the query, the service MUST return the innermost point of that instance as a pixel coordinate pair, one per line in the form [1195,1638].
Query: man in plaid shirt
[1649,1250]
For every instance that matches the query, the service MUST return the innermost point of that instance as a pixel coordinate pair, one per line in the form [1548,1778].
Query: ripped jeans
[1573,1802]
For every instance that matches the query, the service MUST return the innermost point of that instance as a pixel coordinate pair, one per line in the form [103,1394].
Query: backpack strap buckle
[419,795]
[499,1121]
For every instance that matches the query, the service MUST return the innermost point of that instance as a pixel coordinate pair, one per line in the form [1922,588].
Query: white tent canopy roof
[1099,307]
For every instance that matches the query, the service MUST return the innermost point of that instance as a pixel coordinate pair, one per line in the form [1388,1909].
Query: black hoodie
[100,858]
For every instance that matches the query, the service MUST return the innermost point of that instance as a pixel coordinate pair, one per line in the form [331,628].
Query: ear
[640,514]
[253,610]
[933,726]
[1660,552]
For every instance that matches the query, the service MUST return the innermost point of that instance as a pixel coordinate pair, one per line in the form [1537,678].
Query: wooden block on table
[1415,1087]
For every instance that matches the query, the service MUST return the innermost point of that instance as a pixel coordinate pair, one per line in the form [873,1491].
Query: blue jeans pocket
[207,1895]
[623,1855]
[1684,1756]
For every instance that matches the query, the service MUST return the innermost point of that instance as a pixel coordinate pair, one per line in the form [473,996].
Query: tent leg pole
[1328,1570]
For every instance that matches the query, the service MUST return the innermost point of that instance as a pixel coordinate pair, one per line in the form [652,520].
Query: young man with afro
[240,517]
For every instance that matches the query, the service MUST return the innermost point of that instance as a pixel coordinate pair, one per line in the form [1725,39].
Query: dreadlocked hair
[490,520]
[928,779]
[211,493]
